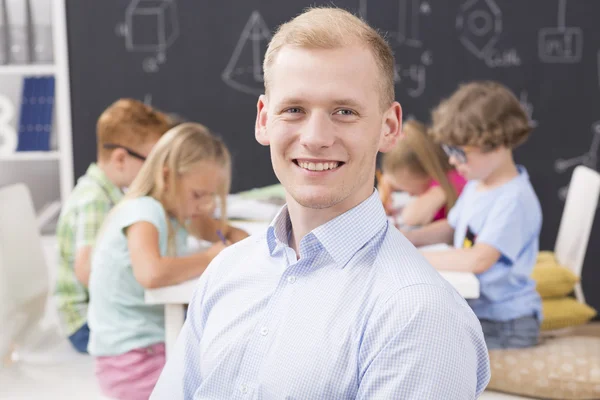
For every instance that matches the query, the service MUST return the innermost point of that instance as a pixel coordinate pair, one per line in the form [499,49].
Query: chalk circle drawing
[400,21]
[528,107]
[480,25]
[589,158]
[244,69]
[560,44]
[150,26]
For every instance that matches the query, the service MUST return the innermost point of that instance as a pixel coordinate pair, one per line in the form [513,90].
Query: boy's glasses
[453,151]
[111,146]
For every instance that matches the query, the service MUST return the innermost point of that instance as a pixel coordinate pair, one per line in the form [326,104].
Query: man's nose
[318,132]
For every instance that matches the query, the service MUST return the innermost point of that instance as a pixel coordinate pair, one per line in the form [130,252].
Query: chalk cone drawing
[244,69]
[560,44]
[150,26]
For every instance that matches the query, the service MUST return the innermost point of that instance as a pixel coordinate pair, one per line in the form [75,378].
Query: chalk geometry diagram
[480,25]
[560,44]
[405,29]
[244,69]
[400,20]
[589,159]
[150,26]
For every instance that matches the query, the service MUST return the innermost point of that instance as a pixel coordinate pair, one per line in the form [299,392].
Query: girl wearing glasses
[419,167]
[140,247]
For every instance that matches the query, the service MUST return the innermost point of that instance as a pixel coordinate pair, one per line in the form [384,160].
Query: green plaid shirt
[80,220]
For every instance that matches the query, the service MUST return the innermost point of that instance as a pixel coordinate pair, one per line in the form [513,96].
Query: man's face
[324,122]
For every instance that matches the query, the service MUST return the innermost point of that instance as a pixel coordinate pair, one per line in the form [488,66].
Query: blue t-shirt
[119,318]
[508,218]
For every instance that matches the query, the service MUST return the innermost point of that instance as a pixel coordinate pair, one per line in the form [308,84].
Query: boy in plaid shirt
[126,132]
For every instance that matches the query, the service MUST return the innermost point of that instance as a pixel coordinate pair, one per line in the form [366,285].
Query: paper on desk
[255,210]
[435,247]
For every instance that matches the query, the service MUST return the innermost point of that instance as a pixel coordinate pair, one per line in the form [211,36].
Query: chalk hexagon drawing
[479,23]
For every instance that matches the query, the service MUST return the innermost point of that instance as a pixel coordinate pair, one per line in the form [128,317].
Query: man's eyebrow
[349,102]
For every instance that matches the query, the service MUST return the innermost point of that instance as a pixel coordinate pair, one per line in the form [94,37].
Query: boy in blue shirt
[496,222]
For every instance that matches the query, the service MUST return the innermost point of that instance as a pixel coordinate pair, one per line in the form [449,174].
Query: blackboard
[202,60]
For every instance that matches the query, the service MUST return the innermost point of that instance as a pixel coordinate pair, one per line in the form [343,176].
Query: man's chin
[316,199]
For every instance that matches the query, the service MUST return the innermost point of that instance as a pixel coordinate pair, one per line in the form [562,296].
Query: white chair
[23,271]
[576,222]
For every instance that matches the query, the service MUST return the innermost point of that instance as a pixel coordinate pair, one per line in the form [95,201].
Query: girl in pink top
[420,167]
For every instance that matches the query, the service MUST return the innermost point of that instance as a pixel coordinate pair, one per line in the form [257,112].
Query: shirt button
[291,279]
[264,331]
[244,389]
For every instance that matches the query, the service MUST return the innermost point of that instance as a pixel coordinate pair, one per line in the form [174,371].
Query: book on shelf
[37,106]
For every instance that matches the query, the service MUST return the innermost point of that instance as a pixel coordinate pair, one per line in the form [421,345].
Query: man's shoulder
[399,264]
[245,250]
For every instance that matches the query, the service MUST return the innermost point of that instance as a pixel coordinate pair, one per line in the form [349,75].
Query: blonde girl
[420,167]
[183,178]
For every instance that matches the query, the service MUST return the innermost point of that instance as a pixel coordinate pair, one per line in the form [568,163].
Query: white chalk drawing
[413,76]
[148,99]
[560,44]
[479,23]
[410,71]
[528,106]
[244,69]
[589,159]
[405,29]
[150,26]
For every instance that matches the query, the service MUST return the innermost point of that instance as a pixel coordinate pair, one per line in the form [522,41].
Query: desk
[175,296]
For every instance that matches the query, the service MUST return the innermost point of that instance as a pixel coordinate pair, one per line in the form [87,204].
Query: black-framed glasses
[111,146]
[453,151]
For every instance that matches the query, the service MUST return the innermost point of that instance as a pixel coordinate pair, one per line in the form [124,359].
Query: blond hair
[179,150]
[129,123]
[421,156]
[483,114]
[330,28]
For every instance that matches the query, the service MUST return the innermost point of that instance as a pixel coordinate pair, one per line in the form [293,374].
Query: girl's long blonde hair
[178,151]
[422,156]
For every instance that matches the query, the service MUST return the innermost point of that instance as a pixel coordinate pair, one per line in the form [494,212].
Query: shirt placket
[263,333]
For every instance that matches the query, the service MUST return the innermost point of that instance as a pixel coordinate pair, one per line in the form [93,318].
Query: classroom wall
[206,65]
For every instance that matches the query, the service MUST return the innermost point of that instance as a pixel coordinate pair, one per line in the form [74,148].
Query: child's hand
[217,247]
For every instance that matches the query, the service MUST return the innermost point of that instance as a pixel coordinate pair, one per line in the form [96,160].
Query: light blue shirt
[118,317]
[361,315]
[508,218]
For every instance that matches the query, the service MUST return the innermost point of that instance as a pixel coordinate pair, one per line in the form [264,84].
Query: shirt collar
[341,237]
[95,173]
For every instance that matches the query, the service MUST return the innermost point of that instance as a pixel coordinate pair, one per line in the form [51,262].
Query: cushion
[552,280]
[565,312]
[564,368]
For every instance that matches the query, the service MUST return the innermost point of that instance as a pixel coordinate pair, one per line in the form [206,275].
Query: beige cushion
[565,368]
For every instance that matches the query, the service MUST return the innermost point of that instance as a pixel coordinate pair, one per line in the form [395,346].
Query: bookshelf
[48,174]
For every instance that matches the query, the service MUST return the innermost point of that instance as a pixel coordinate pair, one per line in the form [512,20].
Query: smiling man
[331,302]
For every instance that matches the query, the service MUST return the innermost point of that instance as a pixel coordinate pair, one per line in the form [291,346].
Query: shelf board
[31,156]
[27,70]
